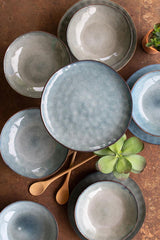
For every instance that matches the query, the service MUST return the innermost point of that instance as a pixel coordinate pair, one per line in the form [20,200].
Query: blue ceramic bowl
[97,192]
[104,20]
[146,103]
[106,210]
[25,220]
[86,106]
[27,148]
[31,59]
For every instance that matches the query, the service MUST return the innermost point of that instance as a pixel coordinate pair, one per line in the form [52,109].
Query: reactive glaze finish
[30,61]
[146,102]
[28,221]
[27,148]
[105,210]
[86,106]
[99,30]
[133,127]
[122,192]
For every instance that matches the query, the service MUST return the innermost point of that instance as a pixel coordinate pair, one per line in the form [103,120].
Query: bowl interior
[27,148]
[99,30]
[30,61]
[79,107]
[146,103]
[106,210]
[28,221]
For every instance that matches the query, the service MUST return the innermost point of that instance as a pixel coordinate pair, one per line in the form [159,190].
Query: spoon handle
[71,165]
[69,169]
[34,188]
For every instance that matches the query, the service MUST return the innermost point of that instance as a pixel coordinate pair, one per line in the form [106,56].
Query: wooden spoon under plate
[62,195]
[38,188]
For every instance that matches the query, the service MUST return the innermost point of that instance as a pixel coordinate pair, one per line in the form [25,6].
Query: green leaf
[121,176]
[106,164]
[138,162]
[132,145]
[123,165]
[104,152]
[117,146]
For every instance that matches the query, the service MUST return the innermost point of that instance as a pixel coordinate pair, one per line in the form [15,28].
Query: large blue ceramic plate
[118,18]
[97,177]
[27,148]
[133,127]
[86,106]
[26,220]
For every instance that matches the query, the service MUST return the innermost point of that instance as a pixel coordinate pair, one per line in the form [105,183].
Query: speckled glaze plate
[26,220]
[133,127]
[114,57]
[97,177]
[27,148]
[86,106]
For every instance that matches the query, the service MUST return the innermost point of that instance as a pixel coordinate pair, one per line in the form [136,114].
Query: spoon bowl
[38,188]
[62,195]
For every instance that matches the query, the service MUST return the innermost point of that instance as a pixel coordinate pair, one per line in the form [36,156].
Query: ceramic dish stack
[145,88]
[97,208]
[99,30]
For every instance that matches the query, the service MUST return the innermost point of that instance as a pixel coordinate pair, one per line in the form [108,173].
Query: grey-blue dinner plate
[86,106]
[96,177]
[133,127]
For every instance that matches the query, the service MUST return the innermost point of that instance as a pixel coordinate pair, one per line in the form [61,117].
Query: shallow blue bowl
[146,103]
[31,59]
[26,220]
[27,148]
[86,106]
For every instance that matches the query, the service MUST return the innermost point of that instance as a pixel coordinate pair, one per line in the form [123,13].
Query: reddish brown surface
[21,16]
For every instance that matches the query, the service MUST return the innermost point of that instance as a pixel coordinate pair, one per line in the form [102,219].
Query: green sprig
[154,40]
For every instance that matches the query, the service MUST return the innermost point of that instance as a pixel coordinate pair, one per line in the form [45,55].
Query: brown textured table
[21,16]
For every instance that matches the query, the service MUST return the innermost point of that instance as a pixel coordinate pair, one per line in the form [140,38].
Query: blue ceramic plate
[146,99]
[133,127]
[103,19]
[93,178]
[26,220]
[86,106]
[27,148]
[31,59]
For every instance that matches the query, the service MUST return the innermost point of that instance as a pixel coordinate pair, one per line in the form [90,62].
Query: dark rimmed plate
[96,177]
[86,106]
[133,127]
[117,63]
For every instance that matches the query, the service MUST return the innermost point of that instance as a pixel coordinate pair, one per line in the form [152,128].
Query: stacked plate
[102,207]
[99,30]
[145,89]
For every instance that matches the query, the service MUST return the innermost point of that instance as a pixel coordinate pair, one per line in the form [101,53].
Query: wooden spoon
[62,195]
[38,188]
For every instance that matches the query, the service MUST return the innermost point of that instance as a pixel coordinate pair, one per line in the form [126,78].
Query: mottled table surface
[20,16]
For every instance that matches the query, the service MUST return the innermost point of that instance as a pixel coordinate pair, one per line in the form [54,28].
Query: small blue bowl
[27,148]
[26,220]
[146,103]
[31,59]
